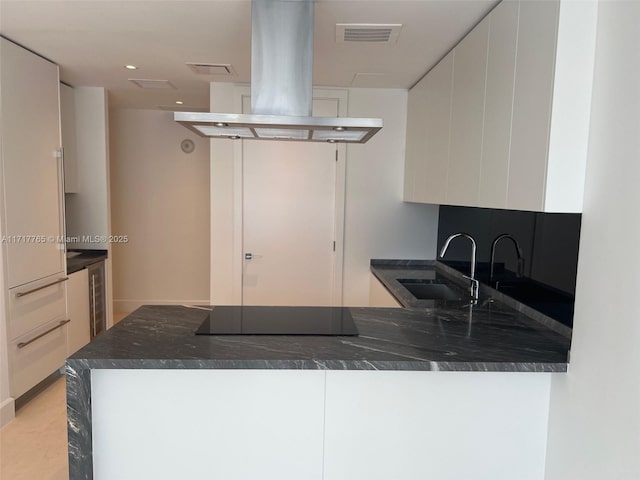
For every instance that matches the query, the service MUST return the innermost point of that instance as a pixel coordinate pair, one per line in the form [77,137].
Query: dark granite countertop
[445,339]
[390,271]
[86,258]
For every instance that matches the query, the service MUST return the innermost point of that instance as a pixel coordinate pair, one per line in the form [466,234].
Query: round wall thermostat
[187,145]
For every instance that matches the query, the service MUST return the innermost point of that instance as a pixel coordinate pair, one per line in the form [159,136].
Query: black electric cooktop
[278,321]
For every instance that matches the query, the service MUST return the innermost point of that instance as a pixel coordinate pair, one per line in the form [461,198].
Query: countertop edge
[433,366]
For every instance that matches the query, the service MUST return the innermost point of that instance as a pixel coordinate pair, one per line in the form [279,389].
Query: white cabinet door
[78,307]
[415,153]
[213,424]
[435,425]
[501,63]
[433,176]
[68,131]
[467,116]
[379,296]
[533,90]
[31,169]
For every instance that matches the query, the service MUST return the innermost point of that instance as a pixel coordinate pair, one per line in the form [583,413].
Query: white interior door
[289,219]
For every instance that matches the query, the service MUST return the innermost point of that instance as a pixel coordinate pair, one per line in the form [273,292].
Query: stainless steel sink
[430,290]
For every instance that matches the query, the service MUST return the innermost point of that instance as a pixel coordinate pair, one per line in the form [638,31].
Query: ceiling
[92,40]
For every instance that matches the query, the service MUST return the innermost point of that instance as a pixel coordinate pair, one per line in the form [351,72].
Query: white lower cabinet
[37,331]
[214,424]
[379,296]
[35,304]
[33,357]
[435,425]
[78,305]
[313,425]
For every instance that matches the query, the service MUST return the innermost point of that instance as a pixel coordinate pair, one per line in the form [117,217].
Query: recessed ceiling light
[130,67]
[179,102]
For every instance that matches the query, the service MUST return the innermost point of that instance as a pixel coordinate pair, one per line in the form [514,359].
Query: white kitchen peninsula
[444,393]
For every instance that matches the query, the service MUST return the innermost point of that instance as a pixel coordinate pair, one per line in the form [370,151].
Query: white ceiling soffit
[368,80]
[379,33]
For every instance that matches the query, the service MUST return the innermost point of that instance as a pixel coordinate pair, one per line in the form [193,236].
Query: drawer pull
[60,280]
[62,322]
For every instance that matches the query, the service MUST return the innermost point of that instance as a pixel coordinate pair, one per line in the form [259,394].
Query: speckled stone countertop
[390,271]
[86,258]
[446,338]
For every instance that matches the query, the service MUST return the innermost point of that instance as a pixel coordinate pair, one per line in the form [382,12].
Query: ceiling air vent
[152,84]
[368,32]
[211,68]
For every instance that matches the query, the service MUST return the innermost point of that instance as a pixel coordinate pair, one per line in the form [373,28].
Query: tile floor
[33,446]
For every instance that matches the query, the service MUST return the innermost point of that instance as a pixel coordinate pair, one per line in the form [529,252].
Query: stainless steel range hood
[281,85]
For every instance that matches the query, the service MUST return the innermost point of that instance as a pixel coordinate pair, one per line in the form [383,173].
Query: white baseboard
[128,306]
[7,411]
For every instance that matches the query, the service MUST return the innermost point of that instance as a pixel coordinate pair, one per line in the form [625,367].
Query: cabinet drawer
[34,360]
[36,304]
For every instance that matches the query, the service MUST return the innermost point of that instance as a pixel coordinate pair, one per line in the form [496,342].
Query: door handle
[248,256]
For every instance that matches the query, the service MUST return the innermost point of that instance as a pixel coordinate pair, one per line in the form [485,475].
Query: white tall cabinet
[33,220]
[519,113]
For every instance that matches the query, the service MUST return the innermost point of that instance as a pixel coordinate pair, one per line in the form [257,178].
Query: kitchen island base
[318,424]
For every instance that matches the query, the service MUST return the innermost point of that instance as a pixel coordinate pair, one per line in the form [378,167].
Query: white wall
[160,199]
[378,224]
[594,425]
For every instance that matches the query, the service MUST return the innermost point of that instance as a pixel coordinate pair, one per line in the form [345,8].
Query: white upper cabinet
[32,170]
[498,104]
[537,31]
[519,116]
[467,112]
[416,146]
[428,127]
[433,175]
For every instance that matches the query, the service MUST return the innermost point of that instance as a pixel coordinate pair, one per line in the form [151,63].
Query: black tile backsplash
[549,243]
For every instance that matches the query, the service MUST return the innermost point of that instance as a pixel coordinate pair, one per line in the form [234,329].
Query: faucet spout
[516,245]
[474,283]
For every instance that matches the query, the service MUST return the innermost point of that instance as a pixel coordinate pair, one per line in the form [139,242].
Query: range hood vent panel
[281,63]
[281,85]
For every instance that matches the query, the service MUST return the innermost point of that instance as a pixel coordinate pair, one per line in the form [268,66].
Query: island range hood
[281,85]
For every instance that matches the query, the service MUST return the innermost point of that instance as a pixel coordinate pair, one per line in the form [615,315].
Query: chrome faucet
[520,270]
[475,285]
